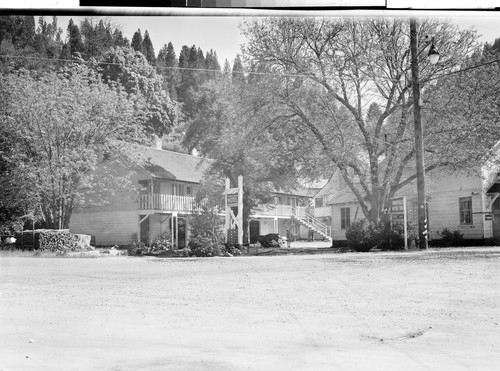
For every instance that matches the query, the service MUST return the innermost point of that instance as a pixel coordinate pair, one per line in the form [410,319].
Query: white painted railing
[165,202]
[280,210]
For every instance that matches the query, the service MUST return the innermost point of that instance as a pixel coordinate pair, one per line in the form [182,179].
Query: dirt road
[411,311]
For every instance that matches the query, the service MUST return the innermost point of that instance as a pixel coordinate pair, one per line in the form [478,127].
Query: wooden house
[465,201]
[163,196]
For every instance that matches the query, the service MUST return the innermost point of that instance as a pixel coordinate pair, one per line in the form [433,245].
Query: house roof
[164,164]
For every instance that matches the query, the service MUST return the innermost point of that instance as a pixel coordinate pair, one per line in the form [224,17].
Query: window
[318,202]
[178,189]
[465,210]
[188,190]
[345,217]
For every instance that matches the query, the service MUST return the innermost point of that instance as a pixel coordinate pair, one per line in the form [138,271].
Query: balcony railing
[280,210]
[165,202]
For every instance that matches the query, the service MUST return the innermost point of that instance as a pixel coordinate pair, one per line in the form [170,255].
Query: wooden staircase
[314,224]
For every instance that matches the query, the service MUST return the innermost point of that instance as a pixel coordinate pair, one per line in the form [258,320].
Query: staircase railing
[314,222]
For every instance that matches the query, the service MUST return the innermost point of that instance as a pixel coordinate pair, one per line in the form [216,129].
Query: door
[496,218]
[182,232]
[254,230]
[144,229]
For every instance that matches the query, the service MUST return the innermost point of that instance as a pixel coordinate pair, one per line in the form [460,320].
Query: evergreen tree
[74,43]
[139,79]
[166,64]
[48,41]
[119,40]
[19,30]
[137,41]
[17,37]
[211,61]
[237,72]
[147,49]
[227,68]
[97,37]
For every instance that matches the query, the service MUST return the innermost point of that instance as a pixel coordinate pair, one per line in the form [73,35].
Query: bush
[205,246]
[269,240]
[137,248]
[384,235]
[449,238]
[162,243]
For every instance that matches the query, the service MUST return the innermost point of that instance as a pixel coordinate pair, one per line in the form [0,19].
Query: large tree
[224,130]
[346,84]
[60,126]
[166,63]
[131,70]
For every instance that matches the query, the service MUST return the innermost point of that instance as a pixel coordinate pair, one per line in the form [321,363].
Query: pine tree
[227,68]
[119,40]
[137,41]
[147,49]
[97,38]
[19,30]
[166,64]
[75,43]
[237,73]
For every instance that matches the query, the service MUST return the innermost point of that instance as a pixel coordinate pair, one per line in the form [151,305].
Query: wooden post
[240,210]
[227,224]
[172,230]
[176,231]
[405,220]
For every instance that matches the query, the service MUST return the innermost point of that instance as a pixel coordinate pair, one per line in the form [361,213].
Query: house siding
[444,213]
[108,227]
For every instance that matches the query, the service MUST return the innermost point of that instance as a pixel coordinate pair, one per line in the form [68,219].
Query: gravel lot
[377,311]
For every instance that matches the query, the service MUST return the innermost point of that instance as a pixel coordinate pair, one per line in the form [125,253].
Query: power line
[237,72]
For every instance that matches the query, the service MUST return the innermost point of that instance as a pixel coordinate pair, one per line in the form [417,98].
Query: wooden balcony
[165,202]
[280,210]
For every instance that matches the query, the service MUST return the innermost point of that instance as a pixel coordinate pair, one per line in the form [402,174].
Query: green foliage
[205,246]
[269,240]
[362,235]
[208,223]
[136,43]
[130,69]
[137,248]
[451,238]
[60,126]
[357,236]
[162,243]
[166,64]
[320,100]
[148,50]
[98,37]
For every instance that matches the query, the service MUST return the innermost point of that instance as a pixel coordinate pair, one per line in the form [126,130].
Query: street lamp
[419,144]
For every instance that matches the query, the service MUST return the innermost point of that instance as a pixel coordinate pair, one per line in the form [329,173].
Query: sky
[221,33]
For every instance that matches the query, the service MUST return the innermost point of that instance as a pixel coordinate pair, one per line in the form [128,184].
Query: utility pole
[419,139]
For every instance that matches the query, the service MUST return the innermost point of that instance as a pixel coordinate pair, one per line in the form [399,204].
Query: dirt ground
[377,311]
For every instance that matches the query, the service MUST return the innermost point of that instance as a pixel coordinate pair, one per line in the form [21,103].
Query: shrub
[384,235]
[205,246]
[449,238]
[137,248]
[269,240]
[162,243]
[357,236]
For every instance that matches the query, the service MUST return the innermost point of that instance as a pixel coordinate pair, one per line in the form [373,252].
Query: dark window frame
[465,210]
[345,217]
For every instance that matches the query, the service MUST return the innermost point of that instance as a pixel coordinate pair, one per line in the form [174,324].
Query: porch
[280,211]
[168,203]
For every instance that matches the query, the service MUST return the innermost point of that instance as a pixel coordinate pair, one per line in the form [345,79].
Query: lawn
[436,310]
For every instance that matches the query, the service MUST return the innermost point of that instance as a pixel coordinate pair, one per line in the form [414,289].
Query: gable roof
[163,164]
